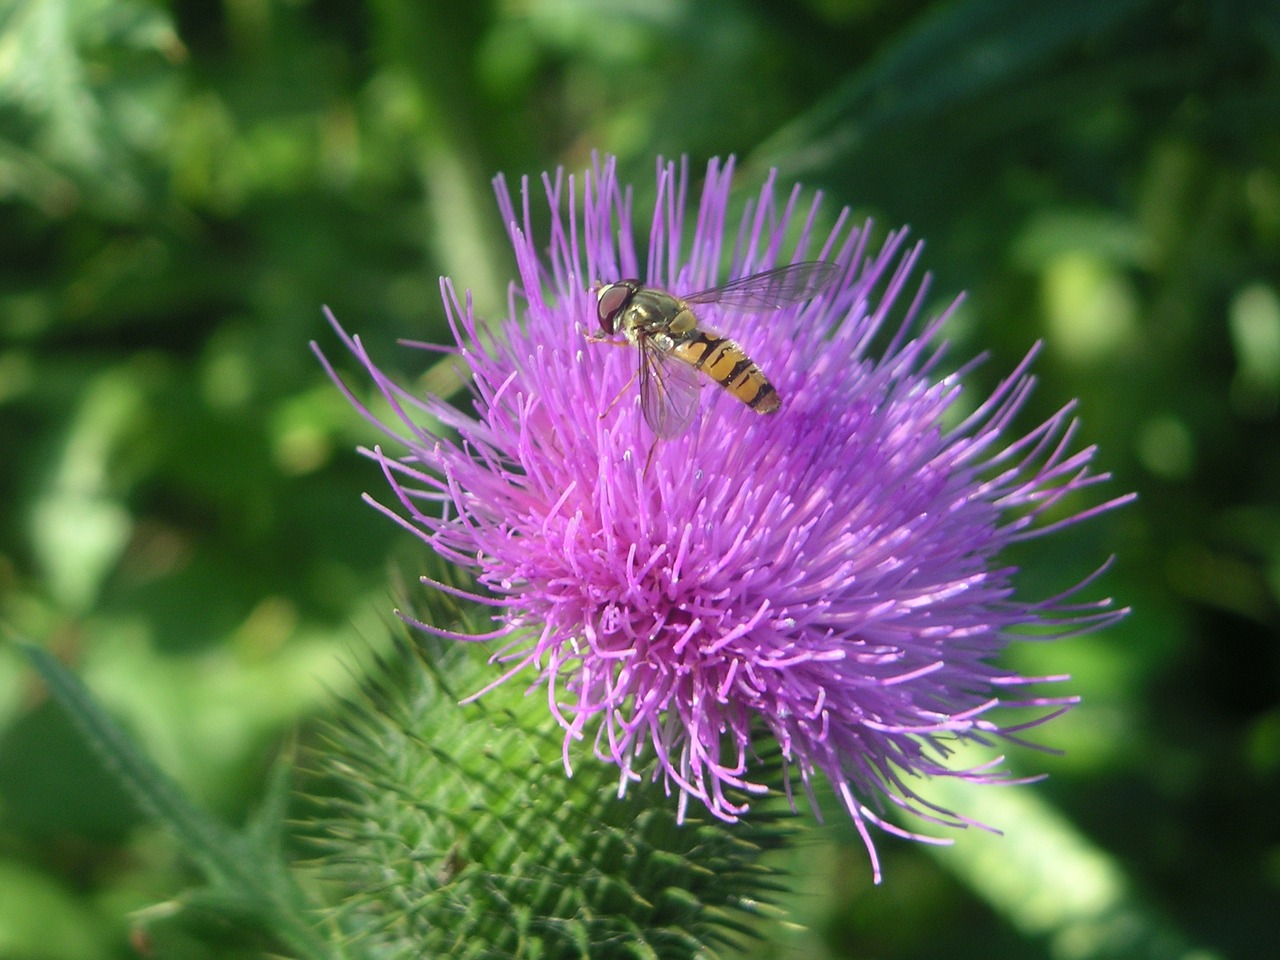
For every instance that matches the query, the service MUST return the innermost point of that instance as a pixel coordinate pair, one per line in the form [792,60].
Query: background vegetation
[184,184]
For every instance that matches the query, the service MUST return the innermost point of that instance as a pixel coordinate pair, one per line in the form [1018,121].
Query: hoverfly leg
[648,461]
[614,402]
[606,340]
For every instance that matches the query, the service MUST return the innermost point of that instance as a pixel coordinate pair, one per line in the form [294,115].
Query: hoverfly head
[611,300]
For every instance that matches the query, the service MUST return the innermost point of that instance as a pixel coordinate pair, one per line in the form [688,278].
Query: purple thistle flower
[829,573]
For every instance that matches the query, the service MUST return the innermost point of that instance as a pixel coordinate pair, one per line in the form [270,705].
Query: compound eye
[609,303]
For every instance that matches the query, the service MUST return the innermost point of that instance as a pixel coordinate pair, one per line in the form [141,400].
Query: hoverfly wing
[793,283]
[668,392]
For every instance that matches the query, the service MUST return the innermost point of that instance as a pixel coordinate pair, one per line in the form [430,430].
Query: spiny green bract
[457,834]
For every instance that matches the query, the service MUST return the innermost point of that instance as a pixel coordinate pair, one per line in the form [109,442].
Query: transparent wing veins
[668,391]
[771,289]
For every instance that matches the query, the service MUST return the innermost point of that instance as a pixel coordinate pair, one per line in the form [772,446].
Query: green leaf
[959,54]
[244,877]
[1049,881]
[69,71]
[39,918]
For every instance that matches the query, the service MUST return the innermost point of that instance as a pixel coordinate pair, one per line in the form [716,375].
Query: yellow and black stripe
[725,362]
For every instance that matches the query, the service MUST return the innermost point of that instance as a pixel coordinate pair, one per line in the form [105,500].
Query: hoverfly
[673,344]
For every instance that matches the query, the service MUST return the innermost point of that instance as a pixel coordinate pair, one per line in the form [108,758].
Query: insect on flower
[674,344]
[842,585]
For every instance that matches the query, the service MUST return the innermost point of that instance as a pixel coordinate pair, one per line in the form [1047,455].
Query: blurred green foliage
[182,185]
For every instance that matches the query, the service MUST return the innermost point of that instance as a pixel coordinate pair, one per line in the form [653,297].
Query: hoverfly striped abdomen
[728,365]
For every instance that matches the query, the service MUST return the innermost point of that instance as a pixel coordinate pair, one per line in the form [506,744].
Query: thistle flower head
[829,574]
